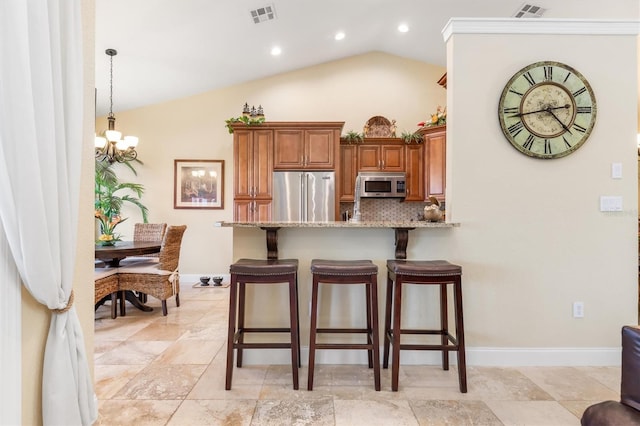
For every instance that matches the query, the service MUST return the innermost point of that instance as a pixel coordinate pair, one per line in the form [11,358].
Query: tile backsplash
[375,209]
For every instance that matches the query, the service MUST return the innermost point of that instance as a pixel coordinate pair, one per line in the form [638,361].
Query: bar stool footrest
[264,330]
[343,330]
[262,345]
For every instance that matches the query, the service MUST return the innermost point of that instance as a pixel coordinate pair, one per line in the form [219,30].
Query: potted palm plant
[110,195]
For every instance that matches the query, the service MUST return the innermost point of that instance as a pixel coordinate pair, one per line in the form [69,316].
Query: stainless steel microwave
[382,184]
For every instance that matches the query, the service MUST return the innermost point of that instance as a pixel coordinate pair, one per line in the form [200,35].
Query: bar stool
[424,272]
[261,272]
[346,272]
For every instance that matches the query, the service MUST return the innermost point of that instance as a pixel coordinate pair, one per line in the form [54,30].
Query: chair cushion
[343,267]
[144,268]
[423,268]
[99,273]
[264,266]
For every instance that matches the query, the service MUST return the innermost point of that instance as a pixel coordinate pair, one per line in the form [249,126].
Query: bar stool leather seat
[261,272]
[423,272]
[346,272]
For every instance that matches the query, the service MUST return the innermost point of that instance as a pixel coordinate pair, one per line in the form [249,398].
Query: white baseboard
[502,357]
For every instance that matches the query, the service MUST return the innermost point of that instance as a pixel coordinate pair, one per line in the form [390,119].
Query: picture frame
[198,184]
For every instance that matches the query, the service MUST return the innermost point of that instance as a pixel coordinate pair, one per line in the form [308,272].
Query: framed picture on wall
[198,184]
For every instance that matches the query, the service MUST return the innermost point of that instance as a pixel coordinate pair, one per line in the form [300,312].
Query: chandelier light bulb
[100,142]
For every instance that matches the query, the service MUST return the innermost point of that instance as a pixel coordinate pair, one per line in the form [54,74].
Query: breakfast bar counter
[401,229]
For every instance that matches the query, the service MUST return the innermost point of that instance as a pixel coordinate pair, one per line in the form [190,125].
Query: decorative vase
[432,213]
[217,280]
[204,280]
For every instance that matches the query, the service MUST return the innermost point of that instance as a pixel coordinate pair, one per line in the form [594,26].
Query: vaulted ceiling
[169,49]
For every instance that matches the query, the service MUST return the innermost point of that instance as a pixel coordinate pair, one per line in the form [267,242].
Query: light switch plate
[610,203]
[616,170]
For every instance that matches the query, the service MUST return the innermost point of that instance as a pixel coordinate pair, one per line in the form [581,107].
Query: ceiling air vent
[529,11]
[262,14]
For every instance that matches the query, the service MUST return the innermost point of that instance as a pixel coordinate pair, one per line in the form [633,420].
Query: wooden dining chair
[158,279]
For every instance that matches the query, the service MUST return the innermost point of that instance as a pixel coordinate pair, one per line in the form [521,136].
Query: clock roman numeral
[528,144]
[579,128]
[517,93]
[548,73]
[547,146]
[583,110]
[579,92]
[529,78]
[510,110]
[567,77]
[516,128]
[566,142]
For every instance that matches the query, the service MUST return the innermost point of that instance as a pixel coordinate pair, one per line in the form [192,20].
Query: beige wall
[532,238]
[351,90]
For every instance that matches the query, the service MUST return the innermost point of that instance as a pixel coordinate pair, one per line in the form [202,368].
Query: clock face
[547,110]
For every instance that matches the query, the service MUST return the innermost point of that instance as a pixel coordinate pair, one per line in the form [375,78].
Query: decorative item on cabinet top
[352,137]
[409,138]
[250,116]
[379,127]
[437,119]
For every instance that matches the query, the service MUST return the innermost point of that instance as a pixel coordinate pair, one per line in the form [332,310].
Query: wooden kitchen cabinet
[414,161]
[435,143]
[305,149]
[252,174]
[252,210]
[381,155]
[348,172]
[311,145]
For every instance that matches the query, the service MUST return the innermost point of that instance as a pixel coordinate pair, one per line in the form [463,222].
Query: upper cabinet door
[253,161]
[262,163]
[300,149]
[435,143]
[348,172]
[320,148]
[381,158]
[415,172]
[289,151]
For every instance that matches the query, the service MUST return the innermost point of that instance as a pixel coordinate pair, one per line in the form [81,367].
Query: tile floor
[155,370]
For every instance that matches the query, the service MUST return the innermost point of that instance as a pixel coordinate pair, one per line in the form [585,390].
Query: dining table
[113,254]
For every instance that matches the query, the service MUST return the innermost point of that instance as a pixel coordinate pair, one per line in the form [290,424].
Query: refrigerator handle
[303,197]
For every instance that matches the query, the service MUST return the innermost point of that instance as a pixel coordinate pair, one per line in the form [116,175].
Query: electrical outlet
[578,310]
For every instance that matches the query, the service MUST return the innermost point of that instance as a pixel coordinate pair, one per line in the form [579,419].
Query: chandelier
[112,146]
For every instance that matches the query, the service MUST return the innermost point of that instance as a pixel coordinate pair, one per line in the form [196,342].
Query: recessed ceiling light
[339,35]
[276,50]
[403,28]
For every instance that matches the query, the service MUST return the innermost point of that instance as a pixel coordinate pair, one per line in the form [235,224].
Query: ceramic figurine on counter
[432,212]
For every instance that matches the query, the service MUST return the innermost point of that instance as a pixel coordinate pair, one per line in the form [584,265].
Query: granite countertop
[340,224]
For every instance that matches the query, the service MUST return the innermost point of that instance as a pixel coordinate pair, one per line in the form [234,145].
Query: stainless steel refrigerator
[304,196]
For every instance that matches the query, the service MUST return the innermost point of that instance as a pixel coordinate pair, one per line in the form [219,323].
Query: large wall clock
[547,110]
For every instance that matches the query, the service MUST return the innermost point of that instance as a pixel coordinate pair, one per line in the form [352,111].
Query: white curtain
[41,89]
